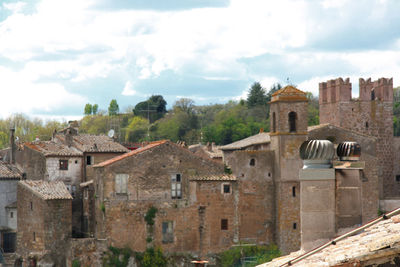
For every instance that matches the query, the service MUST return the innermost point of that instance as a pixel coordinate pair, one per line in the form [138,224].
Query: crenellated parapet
[381,89]
[339,90]
[335,90]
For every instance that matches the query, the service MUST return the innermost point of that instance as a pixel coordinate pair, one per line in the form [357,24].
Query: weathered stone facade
[193,221]
[44,224]
[371,114]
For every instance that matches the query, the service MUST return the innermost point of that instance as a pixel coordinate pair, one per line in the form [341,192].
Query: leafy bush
[261,254]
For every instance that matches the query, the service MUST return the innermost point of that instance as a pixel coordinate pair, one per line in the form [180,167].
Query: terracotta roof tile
[94,143]
[129,154]
[382,237]
[47,190]
[289,93]
[260,138]
[8,171]
[51,148]
[213,177]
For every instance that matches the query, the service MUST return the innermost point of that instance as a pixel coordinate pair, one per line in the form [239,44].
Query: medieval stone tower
[288,111]
[371,114]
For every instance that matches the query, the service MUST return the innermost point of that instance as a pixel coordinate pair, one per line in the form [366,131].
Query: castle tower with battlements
[370,114]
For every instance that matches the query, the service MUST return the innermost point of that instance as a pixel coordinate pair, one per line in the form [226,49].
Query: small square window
[224,224]
[252,162]
[31,205]
[63,164]
[226,188]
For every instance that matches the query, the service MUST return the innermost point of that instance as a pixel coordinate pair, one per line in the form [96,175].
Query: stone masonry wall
[371,117]
[149,184]
[96,159]
[44,229]
[32,162]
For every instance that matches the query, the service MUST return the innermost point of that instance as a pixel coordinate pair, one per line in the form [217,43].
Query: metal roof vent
[317,154]
[349,151]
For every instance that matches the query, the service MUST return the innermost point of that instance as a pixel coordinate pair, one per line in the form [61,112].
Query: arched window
[273,122]
[292,121]
[252,162]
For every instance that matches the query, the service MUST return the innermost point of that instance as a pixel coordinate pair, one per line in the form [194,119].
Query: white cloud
[128,89]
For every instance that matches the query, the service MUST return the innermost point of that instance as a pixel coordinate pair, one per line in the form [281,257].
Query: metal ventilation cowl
[317,154]
[349,151]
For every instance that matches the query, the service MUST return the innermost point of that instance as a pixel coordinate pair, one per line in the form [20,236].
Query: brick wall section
[287,163]
[88,251]
[50,220]
[371,117]
[32,162]
[370,182]
[149,184]
[256,199]
[96,158]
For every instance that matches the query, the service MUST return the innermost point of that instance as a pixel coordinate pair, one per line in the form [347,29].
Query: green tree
[88,109]
[95,108]
[313,109]
[137,129]
[113,109]
[256,96]
[154,108]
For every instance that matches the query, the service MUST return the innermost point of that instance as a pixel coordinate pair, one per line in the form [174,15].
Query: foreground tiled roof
[8,171]
[213,177]
[375,241]
[94,143]
[260,138]
[129,154]
[47,190]
[51,148]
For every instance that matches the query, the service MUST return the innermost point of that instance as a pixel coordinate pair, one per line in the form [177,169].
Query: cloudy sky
[58,55]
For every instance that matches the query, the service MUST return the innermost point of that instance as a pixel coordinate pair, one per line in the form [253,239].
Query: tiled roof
[47,190]
[213,177]
[289,93]
[51,148]
[331,126]
[95,143]
[131,153]
[8,171]
[382,238]
[260,138]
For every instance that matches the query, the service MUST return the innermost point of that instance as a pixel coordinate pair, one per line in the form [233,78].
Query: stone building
[9,177]
[196,202]
[44,222]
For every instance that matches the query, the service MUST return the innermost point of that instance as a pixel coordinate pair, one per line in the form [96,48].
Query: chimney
[317,195]
[68,138]
[12,146]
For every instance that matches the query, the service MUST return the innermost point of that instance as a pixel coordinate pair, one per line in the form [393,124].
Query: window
[294,226]
[168,232]
[31,205]
[397,178]
[292,122]
[11,214]
[293,191]
[226,188]
[73,191]
[252,162]
[86,193]
[366,125]
[176,186]
[121,183]
[89,160]
[224,224]
[63,164]
[34,236]
[273,122]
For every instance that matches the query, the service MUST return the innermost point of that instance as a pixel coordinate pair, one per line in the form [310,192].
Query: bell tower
[288,113]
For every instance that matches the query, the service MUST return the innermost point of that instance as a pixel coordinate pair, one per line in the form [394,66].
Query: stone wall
[96,159]
[32,162]
[8,195]
[44,227]
[369,176]
[196,217]
[366,116]
[87,251]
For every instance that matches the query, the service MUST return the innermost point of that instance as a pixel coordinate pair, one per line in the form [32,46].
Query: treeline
[220,123]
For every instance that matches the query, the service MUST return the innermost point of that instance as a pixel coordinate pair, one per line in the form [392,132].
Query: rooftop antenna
[111,133]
